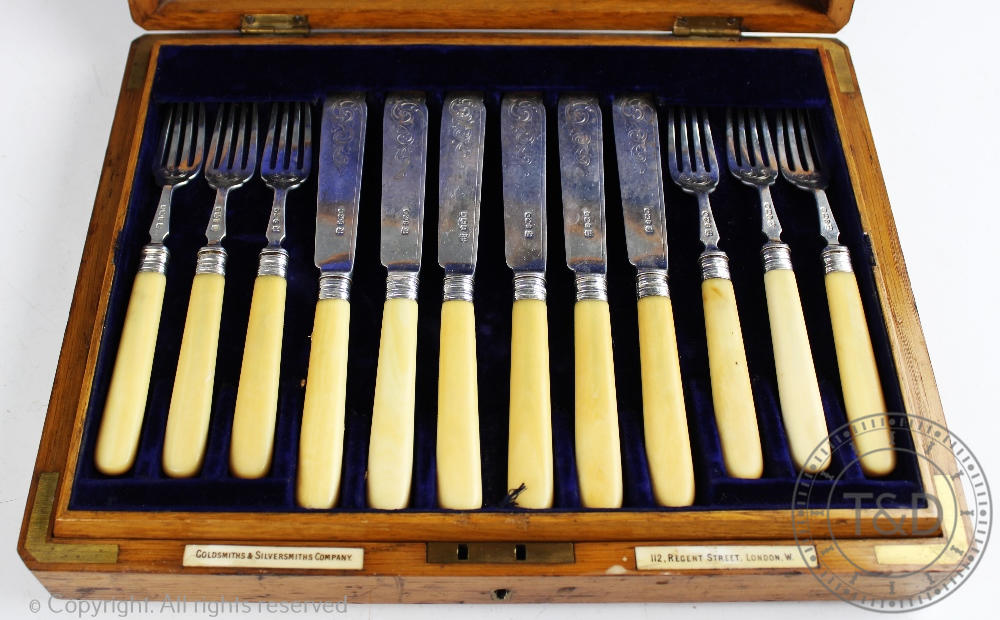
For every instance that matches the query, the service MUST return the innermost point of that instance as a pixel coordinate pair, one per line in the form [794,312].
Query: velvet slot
[676,76]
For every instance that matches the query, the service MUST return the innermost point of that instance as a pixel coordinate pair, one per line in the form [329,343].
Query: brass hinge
[729,27]
[274,23]
[500,553]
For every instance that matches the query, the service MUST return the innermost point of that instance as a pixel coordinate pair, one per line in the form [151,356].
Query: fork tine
[685,153]
[176,130]
[199,144]
[713,162]
[189,135]
[699,157]
[793,143]
[672,144]
[269,153]
[250,163]
[212,163]
[306,139]
[804,135]
[240,120]
[295,143]
[743,139]
[226,157]
[768,144]
[779,124]
[165,135]
[731,142]
[755,140]
[282,161]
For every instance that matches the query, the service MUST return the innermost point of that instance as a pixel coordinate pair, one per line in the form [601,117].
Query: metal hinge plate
[274,23]
[728,27]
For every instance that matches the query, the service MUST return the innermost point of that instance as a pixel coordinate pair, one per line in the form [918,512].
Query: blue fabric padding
[710,77]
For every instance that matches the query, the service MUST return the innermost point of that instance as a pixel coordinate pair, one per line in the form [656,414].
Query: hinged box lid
[693,17]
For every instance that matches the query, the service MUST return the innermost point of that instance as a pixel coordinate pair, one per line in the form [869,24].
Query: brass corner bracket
[41,547]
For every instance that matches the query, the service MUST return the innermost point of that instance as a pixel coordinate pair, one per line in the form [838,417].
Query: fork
[859,379]
[231,161]
[285,164]
[695,168]
[180,149]
[752,161]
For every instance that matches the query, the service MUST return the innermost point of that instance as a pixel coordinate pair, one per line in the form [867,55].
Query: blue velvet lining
[703,76]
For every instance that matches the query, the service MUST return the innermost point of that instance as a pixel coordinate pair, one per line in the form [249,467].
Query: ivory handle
[858,373]
[798,390]
[390,452]
[321,442]
[732,397]
[118,437]
[598,450]
[191,400]
[459,469]
[257,396]
[529,450]
[668,445]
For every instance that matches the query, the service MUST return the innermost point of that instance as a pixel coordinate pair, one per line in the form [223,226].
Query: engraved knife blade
[404,166]
[522,138]
[463,131]
[581,166]
[341,152]
[637,141]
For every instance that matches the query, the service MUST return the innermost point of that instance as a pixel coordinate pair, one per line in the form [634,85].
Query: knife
[581,166]
[529,449]
[668,447]
[321,443]
[404,166]
[459,470]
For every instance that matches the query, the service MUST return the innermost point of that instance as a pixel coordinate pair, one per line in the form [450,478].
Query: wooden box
[85,535]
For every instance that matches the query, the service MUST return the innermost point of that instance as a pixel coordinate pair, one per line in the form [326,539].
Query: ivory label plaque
[694,557]
[253,556]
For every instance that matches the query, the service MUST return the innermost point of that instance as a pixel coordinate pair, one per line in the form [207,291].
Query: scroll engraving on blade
[404,164]
[581,164]
[522,131]
[460,182]
[342,145]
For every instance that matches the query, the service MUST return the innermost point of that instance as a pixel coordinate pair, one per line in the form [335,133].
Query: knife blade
[529,449]
[668,448]
[581,164]
[459,470]
[404,166]
[341,154]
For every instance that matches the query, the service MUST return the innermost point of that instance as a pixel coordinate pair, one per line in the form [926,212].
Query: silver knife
[404,167]
[668,448]
[463,129]
[341,154]
[529,449]
[581,166]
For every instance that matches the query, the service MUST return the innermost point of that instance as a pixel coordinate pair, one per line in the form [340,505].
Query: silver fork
[695,168]
[179,159]
[752,160]
[231,162]
[859,379]
[285,164]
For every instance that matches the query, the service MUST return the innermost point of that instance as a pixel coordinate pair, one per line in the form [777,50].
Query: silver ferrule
[836,257]
[335,286]
[529,285]
[651,283]
[154,258]
[714,264]
[273,262]
[458,287]
[775,256]
[211,259]
[591,286]
[401,285]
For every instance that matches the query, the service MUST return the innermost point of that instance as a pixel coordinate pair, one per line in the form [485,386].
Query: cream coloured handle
[257,396]
[118,437]
[598,450]
[321,442]
[798,390]
[191,400]
[459,469]
[390,451]
[735,414]
[858,373]
[668,445]
[529,450]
